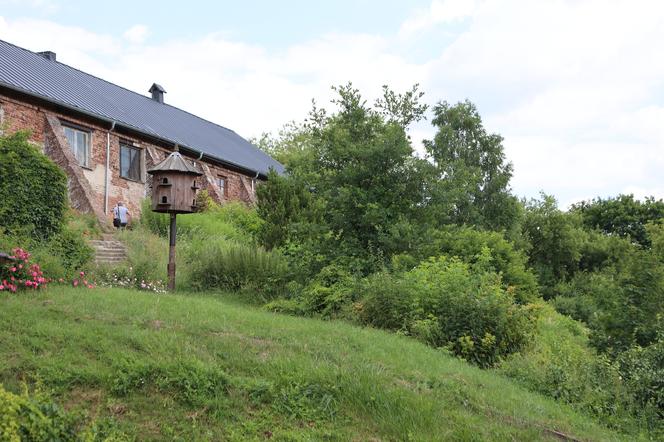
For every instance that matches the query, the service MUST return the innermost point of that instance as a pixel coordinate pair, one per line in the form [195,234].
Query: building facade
[105,137]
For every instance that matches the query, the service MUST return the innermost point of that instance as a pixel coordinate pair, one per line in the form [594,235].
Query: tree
[622,215]
[472,175]
[556,242]
[359,163]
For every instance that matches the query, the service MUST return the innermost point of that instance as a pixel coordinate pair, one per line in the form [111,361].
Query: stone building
[106,137]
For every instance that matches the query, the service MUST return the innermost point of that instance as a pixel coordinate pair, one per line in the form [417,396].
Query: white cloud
[439,12]
[136,34]
[575,87]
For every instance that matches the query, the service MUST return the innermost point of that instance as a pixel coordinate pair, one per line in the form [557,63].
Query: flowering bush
[21,274]
[82,282]
[127,279]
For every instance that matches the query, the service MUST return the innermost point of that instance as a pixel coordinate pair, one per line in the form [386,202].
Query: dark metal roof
[175,162]
[31,73]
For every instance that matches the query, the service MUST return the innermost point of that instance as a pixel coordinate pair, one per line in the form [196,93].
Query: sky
[576,88]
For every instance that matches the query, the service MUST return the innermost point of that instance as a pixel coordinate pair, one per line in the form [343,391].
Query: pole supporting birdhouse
[174,190]
[171,253]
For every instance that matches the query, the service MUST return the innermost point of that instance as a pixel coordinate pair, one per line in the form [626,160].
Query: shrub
[33,190]
[387,302]
[446,303]
[217,263]
[468,244]
[21,274]
[34,418]
[643,371]
[559,363]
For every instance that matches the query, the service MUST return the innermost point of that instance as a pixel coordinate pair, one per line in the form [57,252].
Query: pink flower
[75,283]
[90,286]
[20,266]
[13,269]
[82,274]
[2,287]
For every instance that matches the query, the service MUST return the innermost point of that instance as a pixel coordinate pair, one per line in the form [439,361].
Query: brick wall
[27,114]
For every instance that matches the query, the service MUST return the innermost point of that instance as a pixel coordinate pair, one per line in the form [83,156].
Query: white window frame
[77,133]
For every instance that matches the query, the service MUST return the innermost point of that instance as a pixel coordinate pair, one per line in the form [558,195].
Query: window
[79,142]
[221,184]
[130,162]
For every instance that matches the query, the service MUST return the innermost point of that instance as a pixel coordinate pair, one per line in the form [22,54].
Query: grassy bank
[181,367]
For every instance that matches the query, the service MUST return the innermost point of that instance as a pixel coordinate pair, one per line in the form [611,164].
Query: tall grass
[229,265]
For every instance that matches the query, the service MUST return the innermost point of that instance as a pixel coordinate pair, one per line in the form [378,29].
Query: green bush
[216,263]
[34,419]
[63,255]
[468,244]
[33,190]
[446,303]
[642,368]
[560,363]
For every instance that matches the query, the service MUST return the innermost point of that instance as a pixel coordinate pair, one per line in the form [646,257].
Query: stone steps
[108,250]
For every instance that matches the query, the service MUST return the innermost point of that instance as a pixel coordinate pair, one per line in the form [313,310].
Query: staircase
[108,250]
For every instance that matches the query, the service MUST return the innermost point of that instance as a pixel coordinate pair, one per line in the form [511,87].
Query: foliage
[220,264]
[23,417]
[621,304]
[33,190]
[472,185]
[356,182]
[287,209]
[471,245]
[447,303]
[622,215]
[556,241]
[642,368]
[560,363]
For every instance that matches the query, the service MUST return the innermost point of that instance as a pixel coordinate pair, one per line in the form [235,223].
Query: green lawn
[178,367]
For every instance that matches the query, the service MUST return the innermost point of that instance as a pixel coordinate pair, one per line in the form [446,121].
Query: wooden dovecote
[174,185]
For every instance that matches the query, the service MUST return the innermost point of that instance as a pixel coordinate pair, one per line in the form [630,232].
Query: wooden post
[171,254]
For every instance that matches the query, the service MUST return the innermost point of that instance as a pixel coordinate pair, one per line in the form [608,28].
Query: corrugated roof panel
[32,73]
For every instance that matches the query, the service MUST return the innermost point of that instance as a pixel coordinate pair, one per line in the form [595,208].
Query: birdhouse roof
[175,163]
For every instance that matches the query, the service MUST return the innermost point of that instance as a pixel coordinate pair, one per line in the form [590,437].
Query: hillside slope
[178,367]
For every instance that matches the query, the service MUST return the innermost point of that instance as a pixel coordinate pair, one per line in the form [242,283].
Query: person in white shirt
[121,216]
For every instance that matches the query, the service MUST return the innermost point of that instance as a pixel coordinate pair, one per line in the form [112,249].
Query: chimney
[49,55]
[157,93]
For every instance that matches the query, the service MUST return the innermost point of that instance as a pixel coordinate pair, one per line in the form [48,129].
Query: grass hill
[185,367]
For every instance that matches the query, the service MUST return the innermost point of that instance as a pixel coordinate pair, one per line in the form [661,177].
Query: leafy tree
[472,175]
[556,241]
[622,215]
[359,164]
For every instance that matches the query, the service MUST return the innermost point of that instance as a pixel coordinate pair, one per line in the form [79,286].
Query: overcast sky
[576,88]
